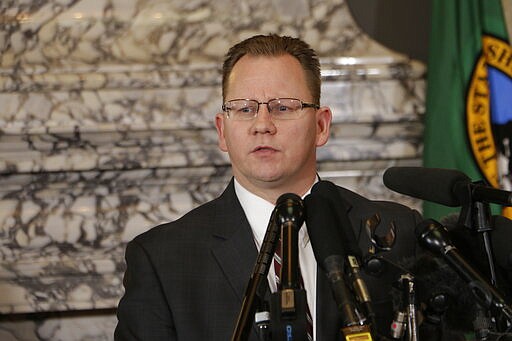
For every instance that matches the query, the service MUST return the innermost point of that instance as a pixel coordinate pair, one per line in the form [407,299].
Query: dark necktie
[277,269]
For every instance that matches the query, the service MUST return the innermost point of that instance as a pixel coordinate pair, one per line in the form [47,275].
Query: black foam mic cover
[290,209]
[329,253]
[431,184]
[341,223]
[322,227]
[448,187]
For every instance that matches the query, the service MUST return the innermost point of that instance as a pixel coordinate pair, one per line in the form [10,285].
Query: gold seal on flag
[498,54]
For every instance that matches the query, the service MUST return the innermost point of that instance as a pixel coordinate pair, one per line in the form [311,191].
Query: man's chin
[266,178]
[269,181]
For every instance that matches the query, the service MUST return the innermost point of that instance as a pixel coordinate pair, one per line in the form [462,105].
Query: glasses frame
[302,103]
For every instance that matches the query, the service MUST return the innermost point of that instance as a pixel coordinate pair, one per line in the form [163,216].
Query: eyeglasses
[279,108]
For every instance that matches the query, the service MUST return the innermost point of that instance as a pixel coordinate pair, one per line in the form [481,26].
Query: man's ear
[219,125]
[323,125]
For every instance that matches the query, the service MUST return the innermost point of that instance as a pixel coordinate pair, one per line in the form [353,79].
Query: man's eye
[245,110]
[282,109]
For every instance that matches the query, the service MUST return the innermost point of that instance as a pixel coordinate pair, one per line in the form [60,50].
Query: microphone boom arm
[255,288]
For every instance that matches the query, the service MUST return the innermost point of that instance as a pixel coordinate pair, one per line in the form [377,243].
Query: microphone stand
[256,288]
[476,216]
[288,216]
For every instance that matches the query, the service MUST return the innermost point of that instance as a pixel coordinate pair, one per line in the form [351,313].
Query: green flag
[465,35]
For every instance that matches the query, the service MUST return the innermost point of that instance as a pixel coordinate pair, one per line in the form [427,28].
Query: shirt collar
[258,212]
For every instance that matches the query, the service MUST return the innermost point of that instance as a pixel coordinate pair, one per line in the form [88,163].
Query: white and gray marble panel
[76,326]
[106,129]
[63,234]
[68,34]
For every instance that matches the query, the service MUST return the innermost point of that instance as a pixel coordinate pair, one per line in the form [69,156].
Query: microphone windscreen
[342,224]
[432,236]
[321,224]
[431,184]
[290,208]
[287,197]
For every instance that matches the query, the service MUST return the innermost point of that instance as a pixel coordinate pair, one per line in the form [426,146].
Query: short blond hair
[275,45]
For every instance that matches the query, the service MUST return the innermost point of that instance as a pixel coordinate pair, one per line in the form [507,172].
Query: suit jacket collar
[235,251]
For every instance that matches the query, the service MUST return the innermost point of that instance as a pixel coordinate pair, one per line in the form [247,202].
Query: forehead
[265,77]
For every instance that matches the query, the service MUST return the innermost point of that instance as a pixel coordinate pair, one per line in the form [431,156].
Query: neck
[271,192]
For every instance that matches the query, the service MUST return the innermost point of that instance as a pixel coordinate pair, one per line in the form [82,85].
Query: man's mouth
[264,149]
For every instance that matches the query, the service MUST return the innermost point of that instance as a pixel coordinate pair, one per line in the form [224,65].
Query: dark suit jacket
[185,280]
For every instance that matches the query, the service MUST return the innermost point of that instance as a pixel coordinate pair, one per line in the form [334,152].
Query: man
[186,280]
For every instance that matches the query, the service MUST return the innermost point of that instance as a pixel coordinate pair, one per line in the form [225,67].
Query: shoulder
[361,204]
[191,225]
[386,223]
[197,224]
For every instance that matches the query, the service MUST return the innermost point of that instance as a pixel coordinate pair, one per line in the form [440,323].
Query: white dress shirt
[258,212]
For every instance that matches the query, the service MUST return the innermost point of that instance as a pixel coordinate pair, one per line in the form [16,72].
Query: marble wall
[106,129]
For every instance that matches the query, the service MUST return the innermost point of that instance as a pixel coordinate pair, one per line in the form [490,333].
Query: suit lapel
[235,251]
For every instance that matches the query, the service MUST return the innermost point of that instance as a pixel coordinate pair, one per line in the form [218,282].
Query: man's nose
[263,121]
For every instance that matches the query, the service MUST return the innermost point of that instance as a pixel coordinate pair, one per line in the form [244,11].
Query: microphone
[290,217]
[330,193]
[434,237]
[468,243]
[446,302]
[330,256]
[289,209]
[288,304]
[447,187]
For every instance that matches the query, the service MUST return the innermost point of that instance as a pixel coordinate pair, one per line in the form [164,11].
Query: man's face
[266,153]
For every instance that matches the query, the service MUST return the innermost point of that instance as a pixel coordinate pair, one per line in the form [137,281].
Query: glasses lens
[241,109]
[284,108]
